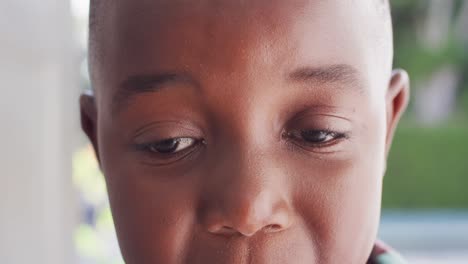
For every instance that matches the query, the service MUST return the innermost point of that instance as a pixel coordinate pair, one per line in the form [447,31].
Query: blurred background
[53,204]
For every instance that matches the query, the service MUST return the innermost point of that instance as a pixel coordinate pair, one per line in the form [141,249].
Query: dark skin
[244,131]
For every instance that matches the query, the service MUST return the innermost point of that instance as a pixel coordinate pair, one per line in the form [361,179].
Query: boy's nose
[247,203]
[249,215]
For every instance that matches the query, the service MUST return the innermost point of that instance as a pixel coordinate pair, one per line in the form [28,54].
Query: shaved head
[101,10]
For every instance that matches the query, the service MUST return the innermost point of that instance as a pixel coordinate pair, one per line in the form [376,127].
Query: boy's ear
[88,114]
[397,99]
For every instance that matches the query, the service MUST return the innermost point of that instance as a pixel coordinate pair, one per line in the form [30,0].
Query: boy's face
[244,131]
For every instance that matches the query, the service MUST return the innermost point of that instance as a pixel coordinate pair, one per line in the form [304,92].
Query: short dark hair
[95,14]
[96,17]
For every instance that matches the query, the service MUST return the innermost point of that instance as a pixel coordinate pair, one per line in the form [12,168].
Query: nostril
[227,228]
[272,228]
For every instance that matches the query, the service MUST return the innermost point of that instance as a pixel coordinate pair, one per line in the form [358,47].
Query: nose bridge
[247,185]
[247,196]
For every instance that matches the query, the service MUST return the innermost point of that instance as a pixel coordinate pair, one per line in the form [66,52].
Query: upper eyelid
[320,112]
[182,126]
[336,133]
[155,137]
[314,121]
[152,142]
[146,146]
[185,129]
[340,136]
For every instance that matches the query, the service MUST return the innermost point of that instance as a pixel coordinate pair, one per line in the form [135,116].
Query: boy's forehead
[143,36]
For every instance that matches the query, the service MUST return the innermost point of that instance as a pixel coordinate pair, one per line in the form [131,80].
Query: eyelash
[150,148]
[296,136]
[333,137]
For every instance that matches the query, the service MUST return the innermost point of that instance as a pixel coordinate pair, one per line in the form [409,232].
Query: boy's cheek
[340,198]
[153,216]
[341,210]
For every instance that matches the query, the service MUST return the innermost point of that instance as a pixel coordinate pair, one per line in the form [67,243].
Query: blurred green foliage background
[428,164]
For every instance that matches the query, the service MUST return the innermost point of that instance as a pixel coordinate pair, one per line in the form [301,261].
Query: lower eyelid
[151,160]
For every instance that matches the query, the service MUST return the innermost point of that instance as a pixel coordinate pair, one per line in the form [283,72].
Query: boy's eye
[171,146]
[168,151]
[316,138]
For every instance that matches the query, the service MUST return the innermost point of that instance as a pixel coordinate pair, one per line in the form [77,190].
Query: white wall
[38,124]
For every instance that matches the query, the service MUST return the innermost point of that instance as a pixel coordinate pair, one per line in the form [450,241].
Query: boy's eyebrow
[339,73]
[147,83]
[137,84]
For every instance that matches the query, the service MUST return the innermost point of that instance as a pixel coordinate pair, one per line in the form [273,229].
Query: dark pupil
[166,146]
[314,136]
